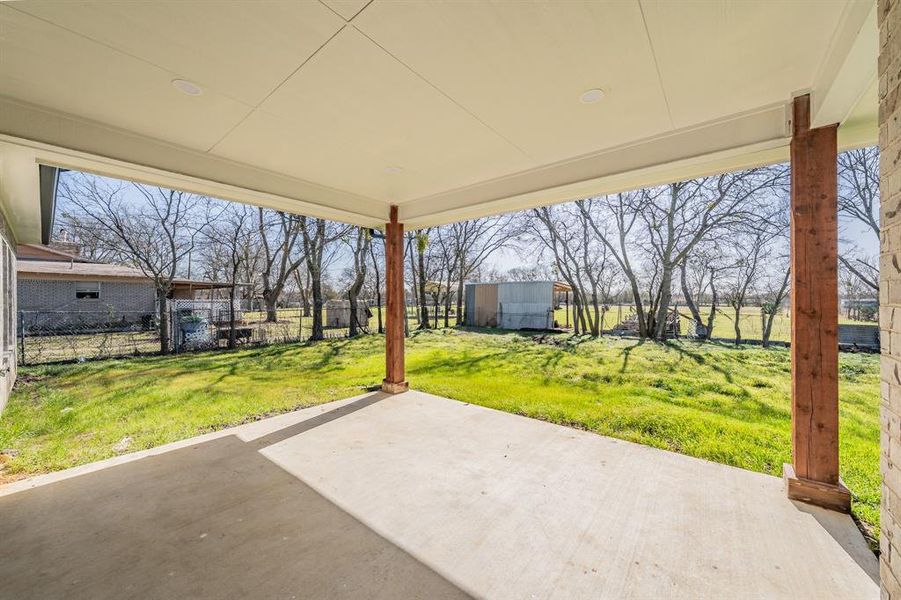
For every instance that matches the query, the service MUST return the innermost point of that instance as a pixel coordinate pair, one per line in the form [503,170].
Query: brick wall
[890,292]
[59,295]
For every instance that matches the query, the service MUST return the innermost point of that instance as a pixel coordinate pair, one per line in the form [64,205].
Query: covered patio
[404,115]
[418,496]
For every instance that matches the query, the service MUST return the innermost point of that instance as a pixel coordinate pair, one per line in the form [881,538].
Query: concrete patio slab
[419,496]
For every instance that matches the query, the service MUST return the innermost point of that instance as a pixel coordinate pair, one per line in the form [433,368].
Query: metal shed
[512,305]
[337,313]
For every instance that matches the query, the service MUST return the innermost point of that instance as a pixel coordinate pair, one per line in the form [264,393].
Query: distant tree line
[712,244]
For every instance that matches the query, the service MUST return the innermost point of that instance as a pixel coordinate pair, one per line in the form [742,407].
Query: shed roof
[559,286]
[451,110]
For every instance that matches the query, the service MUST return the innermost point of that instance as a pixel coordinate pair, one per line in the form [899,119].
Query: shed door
[486,305]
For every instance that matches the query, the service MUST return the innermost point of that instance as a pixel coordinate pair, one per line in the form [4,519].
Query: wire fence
[66,336]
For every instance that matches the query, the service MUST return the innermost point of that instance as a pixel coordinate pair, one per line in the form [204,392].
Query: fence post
[22,335]
[173,326]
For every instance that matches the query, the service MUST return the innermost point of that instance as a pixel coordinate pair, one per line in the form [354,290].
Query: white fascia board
[61,140]
[850,67]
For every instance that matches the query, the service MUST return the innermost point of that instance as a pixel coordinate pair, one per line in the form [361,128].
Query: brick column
[890,293]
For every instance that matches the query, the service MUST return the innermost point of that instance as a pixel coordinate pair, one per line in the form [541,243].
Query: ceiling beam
[849,68]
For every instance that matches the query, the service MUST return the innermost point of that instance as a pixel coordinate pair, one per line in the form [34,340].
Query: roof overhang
[477,102]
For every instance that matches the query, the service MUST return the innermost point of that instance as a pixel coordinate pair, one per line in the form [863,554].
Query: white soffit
[353,112]
[723,58]
[20,193]
[450,109]
[347,9]
[520,68]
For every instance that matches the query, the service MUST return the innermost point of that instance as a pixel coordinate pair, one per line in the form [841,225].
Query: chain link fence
[65,336]
[57,336]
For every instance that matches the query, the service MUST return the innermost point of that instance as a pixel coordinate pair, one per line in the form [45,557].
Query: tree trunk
[423,301]
[666,294]
[378,302]
[305,301]
[232,340]
[271,300]
[712,315]
[447,298]
[354,329]
[460,292]
[774,309]
[596,325]
[769,317]
[378,296]
[317,306]
[737,324]
[161,300]
[692,307]
[574,306]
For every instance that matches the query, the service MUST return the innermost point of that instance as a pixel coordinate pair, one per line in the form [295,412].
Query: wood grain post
[394,382]
[813,475]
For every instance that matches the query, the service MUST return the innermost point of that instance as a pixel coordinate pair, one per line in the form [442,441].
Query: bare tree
[228,237]
[699,275]
[750,250]
[377,254]
[679,216]
[319,237]
[359,243]
[775,292]
[153,232]
[858,200]
[280,234]
[445,243]
[581,260]
[476,240]
[422,273]
[612,218]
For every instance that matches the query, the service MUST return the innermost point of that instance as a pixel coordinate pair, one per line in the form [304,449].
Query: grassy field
[712,401]
[723,325]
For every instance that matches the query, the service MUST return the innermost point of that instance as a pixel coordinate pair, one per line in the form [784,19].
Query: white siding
[7,314]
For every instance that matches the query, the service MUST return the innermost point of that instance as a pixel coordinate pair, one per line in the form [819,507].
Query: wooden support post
[813,475]
[394,382]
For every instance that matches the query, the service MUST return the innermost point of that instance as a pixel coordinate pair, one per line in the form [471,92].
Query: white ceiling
[449,109]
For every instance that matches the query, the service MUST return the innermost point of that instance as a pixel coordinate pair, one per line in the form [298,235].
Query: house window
[87,290]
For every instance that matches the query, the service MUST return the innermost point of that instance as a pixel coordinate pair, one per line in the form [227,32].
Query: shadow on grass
[627,353]
[456,364]
[682,350]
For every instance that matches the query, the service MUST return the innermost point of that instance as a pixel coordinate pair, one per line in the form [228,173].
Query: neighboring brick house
[57,290]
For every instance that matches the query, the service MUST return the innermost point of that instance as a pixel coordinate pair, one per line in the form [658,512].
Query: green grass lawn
[714,401]
[723,325]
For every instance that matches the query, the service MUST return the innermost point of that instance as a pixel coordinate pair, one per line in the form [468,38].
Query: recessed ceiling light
[188,87]
[591,96]
[393,169]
